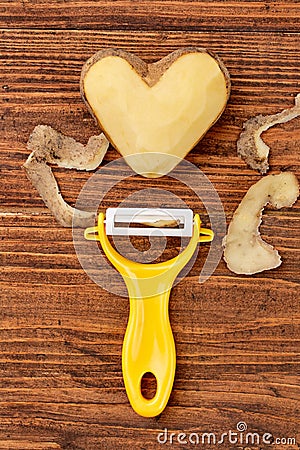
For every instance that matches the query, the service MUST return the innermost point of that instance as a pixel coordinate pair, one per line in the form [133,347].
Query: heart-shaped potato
[154,114]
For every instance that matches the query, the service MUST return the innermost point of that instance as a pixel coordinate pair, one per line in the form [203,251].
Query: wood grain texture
[237,337]
[237,344]
[43,89]
[181,15]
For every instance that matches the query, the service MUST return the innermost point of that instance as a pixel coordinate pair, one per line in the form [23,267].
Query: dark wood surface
[237,337]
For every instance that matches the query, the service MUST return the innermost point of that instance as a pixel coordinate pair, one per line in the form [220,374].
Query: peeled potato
[154,114]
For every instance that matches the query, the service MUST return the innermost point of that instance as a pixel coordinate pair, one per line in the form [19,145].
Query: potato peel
[244,250]
[161,223]
[48,146]
[250,145]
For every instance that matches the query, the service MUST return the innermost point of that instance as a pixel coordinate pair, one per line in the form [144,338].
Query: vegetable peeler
[148,343]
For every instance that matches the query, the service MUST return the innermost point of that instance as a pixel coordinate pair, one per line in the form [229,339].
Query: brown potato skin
[150,73]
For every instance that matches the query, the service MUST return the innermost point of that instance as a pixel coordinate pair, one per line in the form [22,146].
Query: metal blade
[121,221]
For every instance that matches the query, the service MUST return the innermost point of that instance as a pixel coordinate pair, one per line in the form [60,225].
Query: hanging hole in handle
[148,386]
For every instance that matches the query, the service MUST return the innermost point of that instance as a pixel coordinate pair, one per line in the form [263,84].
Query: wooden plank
[136,15]
[61,339]
[61,360]
[237,337]
[10,444]
[43,88]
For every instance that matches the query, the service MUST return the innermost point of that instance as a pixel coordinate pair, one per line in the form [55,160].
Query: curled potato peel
[245,252]
[48,146]
[250,145]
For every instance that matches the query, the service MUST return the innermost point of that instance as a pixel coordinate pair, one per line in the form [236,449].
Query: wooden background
[61,336]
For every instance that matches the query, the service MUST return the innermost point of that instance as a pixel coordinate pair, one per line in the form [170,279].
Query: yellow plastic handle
[148,344]
[149,347]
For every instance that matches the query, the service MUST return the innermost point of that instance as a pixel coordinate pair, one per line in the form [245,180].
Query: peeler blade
[129,221]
